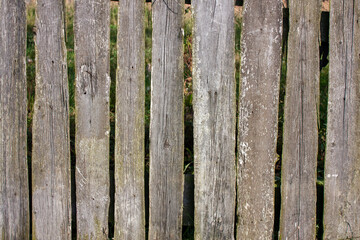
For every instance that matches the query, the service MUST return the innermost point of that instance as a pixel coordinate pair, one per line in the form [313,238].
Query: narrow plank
[14,191]
[92,61]
[298,197]
[342,166]
[258,117]
[214,119]
[51,154]
[166,121]
[130,128]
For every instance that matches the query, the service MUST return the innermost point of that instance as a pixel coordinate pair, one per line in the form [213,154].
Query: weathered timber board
[51,154]
[258,117]
[342,165]
[14,191]
[92,61]
[298,176]
[214,119]
[166,121]
[130,115]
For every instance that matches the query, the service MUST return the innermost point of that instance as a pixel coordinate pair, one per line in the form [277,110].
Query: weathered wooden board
[166,121]
[258,115]
[51,155]
[298,198]
[342,166]
[92,61]
[214,119]
[130,129]
[14,191]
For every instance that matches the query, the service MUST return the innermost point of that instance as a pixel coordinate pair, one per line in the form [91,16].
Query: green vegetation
[188,114]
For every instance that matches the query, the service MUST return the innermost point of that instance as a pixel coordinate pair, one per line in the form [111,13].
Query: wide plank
[258,117]
[299,161]
[342,164]
[92,61]
[130,128]
[14,189]
[166,121]
[51,142]
[214,118]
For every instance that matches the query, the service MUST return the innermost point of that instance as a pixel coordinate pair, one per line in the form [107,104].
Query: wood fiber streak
[130,115]
[51,154]
[298,183]
[214,119]
[92,60]
[166,121]
[14,191]
[342,166]
[258,117]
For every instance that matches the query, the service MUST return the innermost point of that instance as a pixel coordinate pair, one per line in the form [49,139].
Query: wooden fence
[234,169]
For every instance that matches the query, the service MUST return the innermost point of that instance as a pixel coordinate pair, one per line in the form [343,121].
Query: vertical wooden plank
[14,191]
[298,198]
[166,121]
[258,117]
[214,119]
[342,166]
[92,52]
[130,128]
[51,155]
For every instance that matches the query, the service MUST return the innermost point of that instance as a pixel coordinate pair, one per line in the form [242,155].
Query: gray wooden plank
[92,61]
[51,155]
[130,129]
[342,165]
[258,117]
[214,118]
[298,183]
[166,121]
[14,191]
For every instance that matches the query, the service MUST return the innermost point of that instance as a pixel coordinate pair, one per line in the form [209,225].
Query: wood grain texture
[14,191]
[342,165]
[166,121]
[92,60]
[214,119]
[130,128]
[258,117]
[51,155]
[298,177]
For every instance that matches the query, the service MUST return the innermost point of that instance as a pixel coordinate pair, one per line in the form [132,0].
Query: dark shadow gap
[279,148]
[322,121]
[111,216]
[30,81]
[238,25]
[279,144]
[113,67]
[148,55]
[73,180]
[29,157]
[237,2]
[69,33]
[188,193]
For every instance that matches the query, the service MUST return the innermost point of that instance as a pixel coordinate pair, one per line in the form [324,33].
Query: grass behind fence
[188,114]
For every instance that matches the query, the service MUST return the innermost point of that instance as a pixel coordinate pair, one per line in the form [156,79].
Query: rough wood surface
[214,119]
[167,121]
[258,115]
[51,155]
[14,191]
[298,197]
[92,52]
[342,166]
[130,115]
